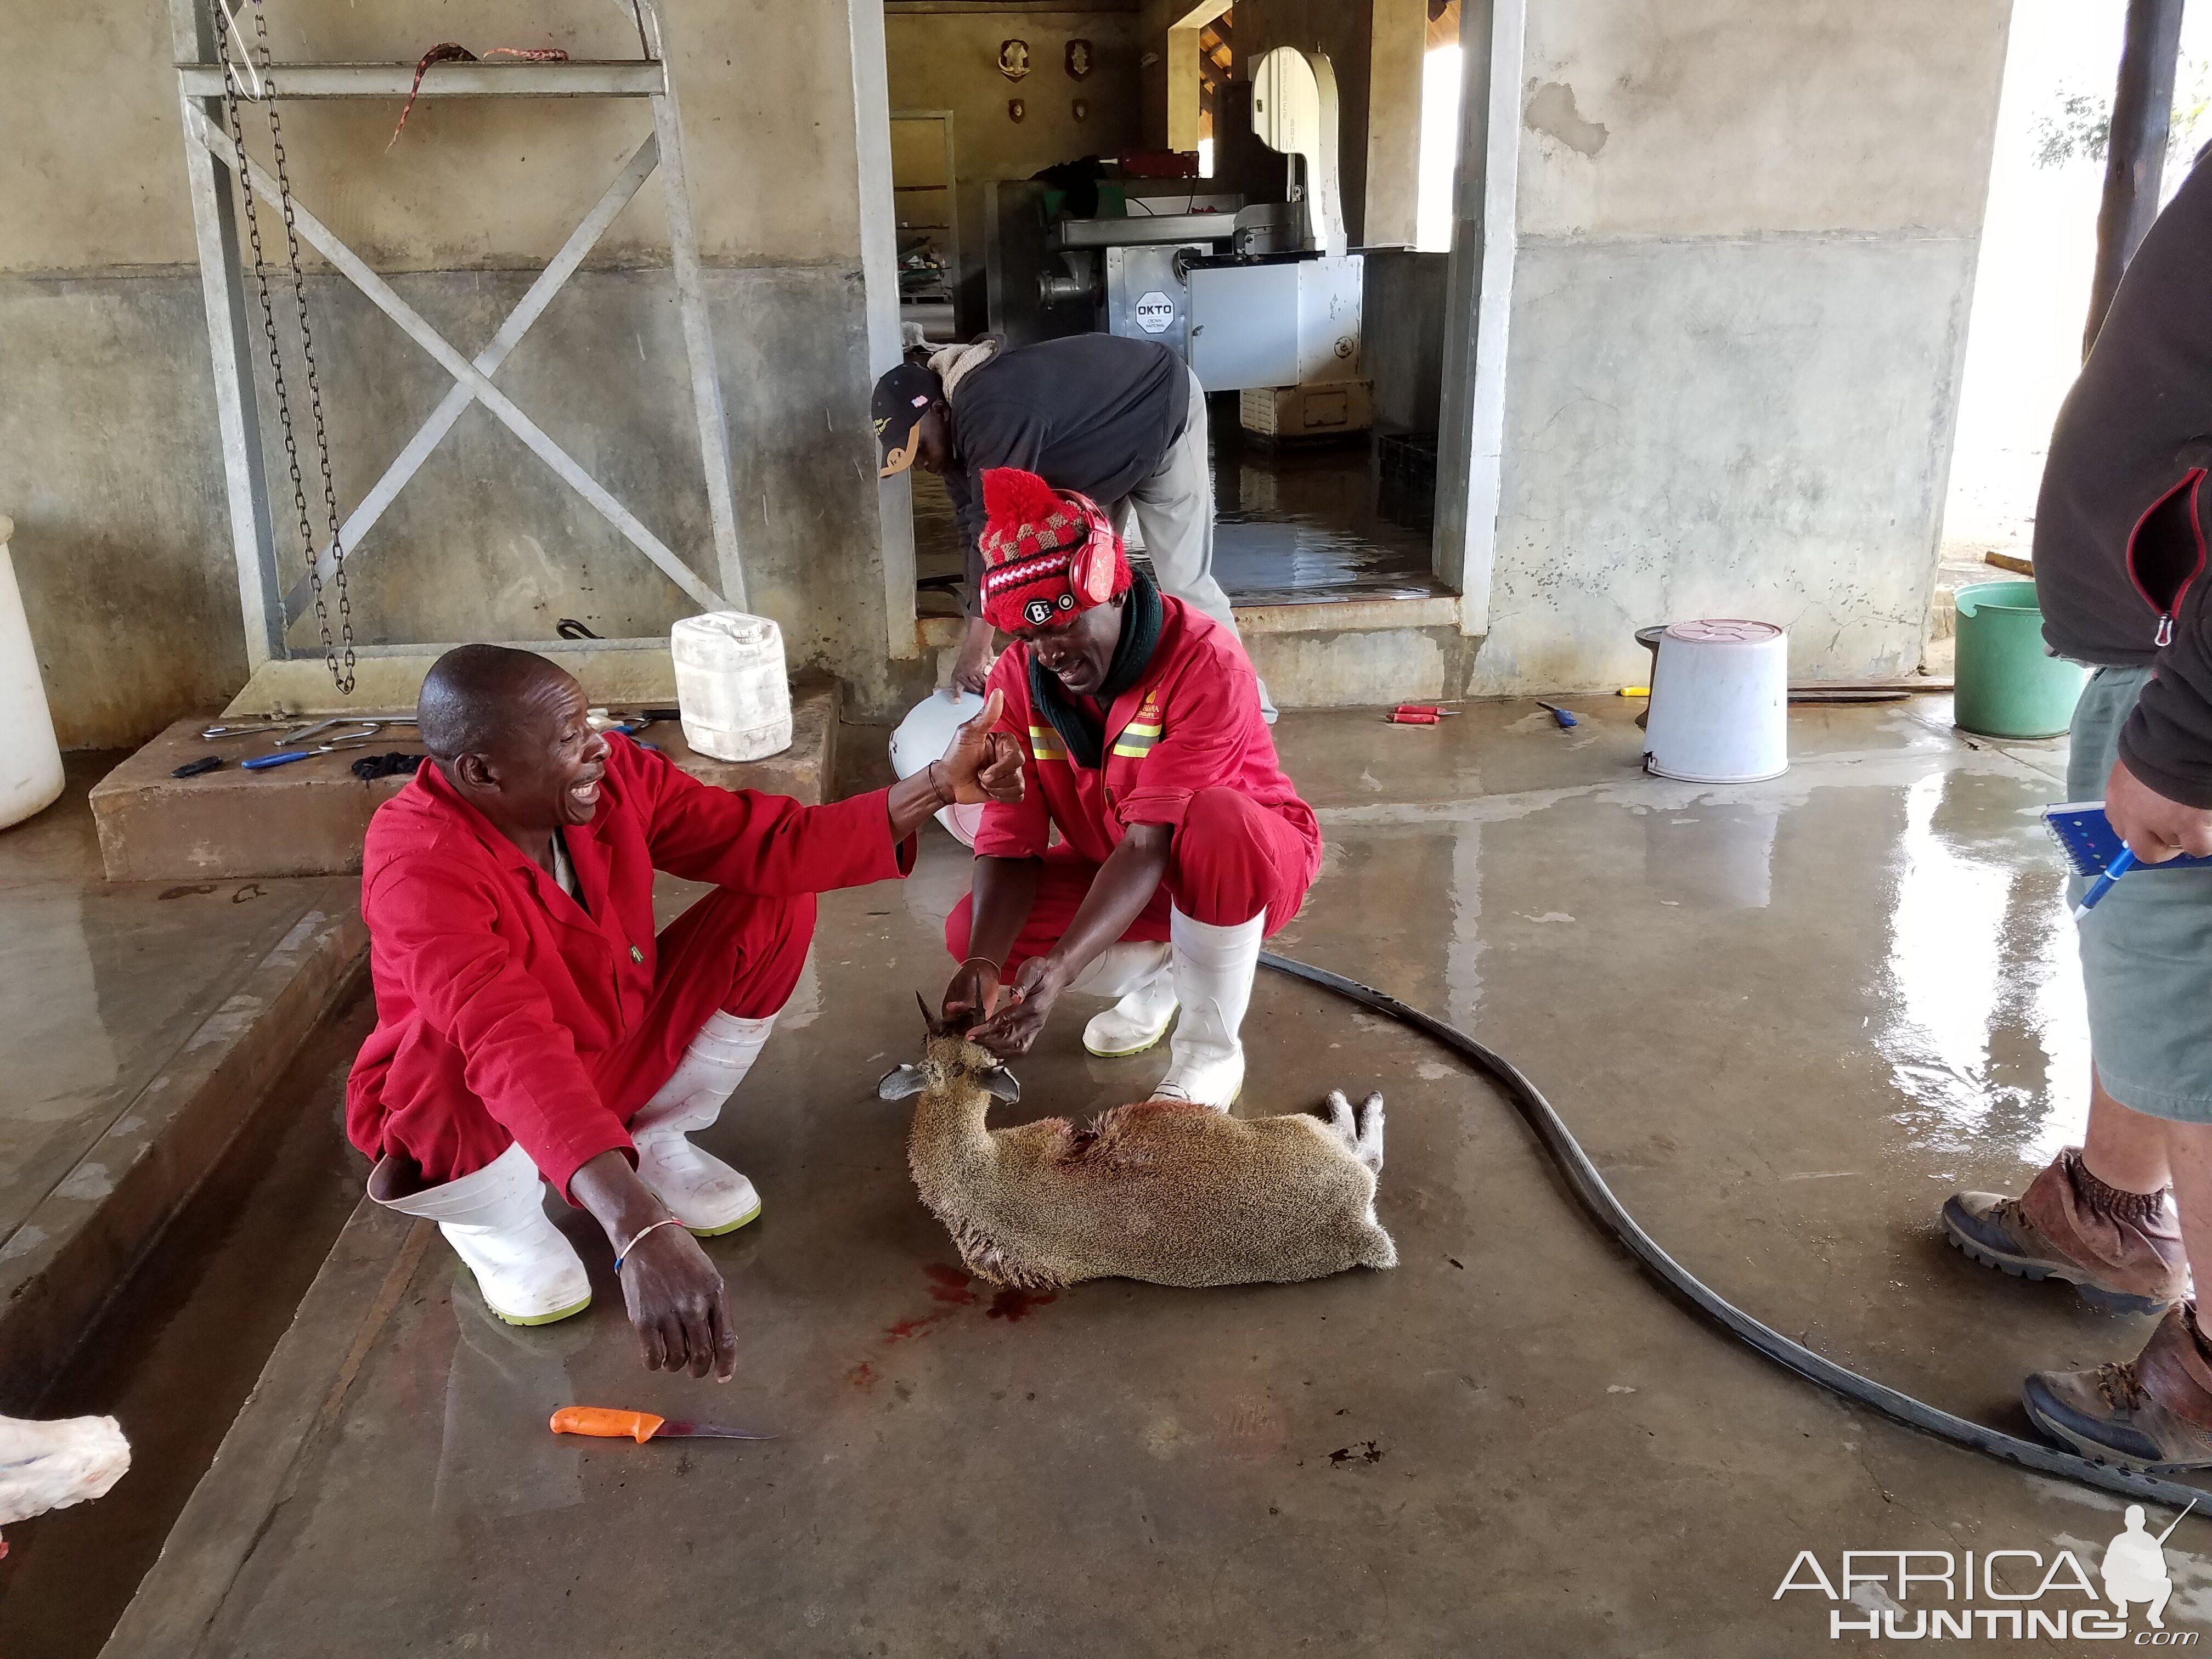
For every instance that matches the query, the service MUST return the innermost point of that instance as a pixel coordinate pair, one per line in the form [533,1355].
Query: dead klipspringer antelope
[1161,1190]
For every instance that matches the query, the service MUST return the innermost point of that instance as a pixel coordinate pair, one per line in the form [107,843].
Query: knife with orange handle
[609,1424]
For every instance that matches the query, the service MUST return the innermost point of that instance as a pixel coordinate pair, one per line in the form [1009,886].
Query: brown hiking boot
[2153,1411]
[2121,1251]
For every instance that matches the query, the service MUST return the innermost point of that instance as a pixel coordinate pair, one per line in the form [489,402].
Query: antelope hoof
[1340,1119]
[1368,1148]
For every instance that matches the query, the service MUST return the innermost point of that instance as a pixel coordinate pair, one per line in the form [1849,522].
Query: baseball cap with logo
[903,397]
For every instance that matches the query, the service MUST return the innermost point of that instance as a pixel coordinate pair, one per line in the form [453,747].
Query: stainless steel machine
[1258,297]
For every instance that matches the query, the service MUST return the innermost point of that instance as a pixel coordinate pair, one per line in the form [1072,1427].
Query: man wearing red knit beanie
[1182,844]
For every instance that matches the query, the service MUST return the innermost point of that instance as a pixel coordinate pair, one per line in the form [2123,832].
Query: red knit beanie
[1046,556]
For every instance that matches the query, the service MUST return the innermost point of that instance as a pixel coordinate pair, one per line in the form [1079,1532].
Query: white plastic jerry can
[731,685]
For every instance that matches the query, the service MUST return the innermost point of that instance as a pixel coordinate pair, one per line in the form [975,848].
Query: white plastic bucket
[924,736]
[30,759]
[731,685]
[1720,702]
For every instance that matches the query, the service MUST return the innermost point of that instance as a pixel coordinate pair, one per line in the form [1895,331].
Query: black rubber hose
[1597,1198]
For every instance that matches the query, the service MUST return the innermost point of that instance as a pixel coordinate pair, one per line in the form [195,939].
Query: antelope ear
[998,1083]
[899,1082]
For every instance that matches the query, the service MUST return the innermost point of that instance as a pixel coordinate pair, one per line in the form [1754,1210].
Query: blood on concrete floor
[1786,1019]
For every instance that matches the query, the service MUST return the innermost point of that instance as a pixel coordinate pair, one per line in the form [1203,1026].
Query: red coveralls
[1184,746]
[506,1012]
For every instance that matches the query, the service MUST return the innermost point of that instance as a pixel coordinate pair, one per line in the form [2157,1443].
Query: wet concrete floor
[1301,523]
[1296,524]
[1786,1019]
[102,982]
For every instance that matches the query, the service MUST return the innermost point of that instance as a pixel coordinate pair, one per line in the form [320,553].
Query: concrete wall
[944,54]
[1728,303]
[1402,337]
[1734,296]
[1392,177]
[108,458]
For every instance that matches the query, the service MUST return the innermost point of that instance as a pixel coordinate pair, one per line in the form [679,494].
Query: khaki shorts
[2147,948]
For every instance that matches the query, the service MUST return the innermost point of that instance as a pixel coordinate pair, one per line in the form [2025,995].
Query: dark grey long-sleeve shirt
[1093,414]
[2120,525]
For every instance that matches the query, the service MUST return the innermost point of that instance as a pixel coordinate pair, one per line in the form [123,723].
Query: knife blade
[607,1422]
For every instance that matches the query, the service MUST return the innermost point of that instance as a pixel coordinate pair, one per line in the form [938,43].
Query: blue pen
[2103,885]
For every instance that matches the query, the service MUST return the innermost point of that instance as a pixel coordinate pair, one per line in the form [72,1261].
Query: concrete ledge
[614,673]
[1344,654]
[81,1241]
[1349,615]
[807,771]
[1363,667]
[1334,617]
[294,1404]
[308,818]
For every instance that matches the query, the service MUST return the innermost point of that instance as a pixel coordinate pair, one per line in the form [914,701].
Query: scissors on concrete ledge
[249,729]
[298,733]
[371,724]
[360,739]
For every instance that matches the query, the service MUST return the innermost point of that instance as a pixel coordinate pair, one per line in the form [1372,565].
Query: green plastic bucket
[2009,686]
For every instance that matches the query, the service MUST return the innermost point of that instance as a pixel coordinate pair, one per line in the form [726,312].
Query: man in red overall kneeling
[532,1023]
[1182,844]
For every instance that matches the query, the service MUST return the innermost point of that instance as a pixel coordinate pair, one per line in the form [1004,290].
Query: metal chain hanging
[342,668]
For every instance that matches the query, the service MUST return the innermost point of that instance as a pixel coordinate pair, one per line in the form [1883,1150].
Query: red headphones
[1090,573]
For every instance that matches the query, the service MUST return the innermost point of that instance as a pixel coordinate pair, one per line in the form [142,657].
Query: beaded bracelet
[622,1255]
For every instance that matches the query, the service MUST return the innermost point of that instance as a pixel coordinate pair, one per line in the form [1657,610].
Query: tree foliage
[2079,126]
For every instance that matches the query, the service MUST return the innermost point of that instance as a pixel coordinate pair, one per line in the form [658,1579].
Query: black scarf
[1080,728]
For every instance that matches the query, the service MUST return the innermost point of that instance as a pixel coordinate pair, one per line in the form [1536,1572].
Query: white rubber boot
[1213,969]
[701,1191]
[496,1220]
[1138,973]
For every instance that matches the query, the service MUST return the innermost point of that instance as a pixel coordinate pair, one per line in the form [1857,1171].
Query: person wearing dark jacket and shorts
[2120,545]
[1121,422]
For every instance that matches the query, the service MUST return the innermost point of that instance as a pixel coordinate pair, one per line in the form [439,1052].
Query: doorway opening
[1264,187]
[2031,284]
